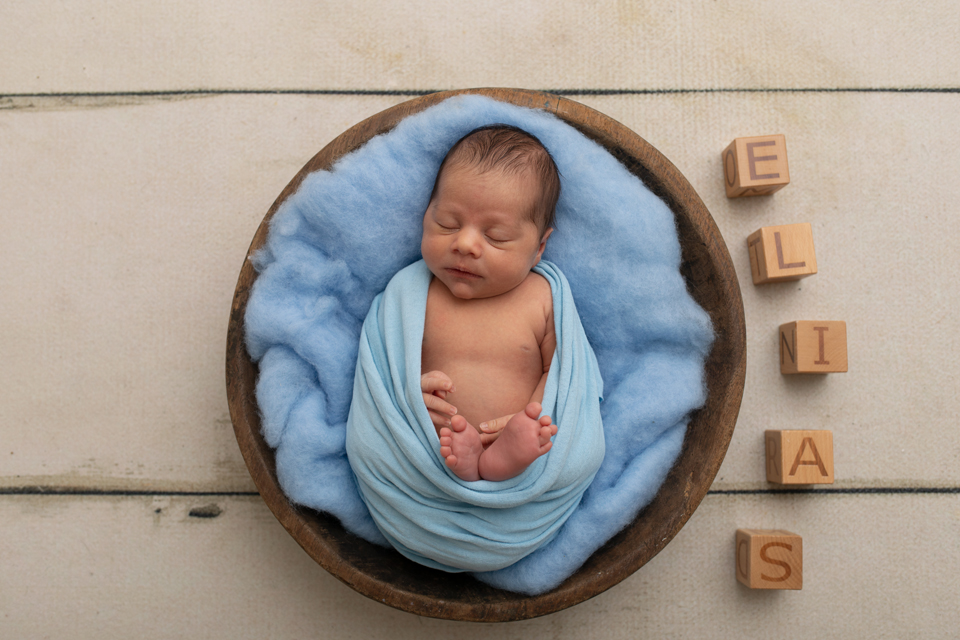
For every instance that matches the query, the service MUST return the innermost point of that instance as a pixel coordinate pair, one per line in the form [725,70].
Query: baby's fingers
[495,426]
[486,439]
[439,405]
[436,381]
[439,420]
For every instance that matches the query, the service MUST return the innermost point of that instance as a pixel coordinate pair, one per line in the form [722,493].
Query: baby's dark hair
[511,150]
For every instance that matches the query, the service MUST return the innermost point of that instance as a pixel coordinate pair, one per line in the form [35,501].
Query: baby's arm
[435,386]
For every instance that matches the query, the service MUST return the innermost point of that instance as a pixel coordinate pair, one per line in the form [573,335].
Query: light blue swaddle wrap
[426,512]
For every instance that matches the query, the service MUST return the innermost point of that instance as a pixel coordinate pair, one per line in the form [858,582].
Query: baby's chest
[484,332]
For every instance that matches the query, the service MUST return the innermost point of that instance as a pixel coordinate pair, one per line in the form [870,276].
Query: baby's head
[491,211]
[507,150]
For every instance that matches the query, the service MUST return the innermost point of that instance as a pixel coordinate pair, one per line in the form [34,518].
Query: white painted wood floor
[141,144]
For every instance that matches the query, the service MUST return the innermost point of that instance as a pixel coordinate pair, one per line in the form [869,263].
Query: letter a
[816,458]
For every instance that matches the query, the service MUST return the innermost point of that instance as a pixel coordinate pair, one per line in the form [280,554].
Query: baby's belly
[485,392]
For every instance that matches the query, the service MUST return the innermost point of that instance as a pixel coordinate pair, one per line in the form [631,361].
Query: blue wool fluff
[335,243]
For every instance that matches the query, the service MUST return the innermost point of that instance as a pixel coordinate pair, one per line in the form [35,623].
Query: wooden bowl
[386,576]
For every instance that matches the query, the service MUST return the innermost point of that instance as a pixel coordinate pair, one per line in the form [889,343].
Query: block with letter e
[813,346]
[799,457]
[755,166]
[782,253]
[769,559]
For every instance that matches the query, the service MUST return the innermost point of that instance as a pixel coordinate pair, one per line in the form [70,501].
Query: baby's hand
[435,386]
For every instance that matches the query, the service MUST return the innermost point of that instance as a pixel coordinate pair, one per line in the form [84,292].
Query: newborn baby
[488,336]
[444,436]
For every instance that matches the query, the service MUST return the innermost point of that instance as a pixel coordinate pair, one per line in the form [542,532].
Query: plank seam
[67,491]
[850,490]
[422,92]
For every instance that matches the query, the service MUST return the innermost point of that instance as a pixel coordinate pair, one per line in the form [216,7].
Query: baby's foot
[523,440]
[460,447]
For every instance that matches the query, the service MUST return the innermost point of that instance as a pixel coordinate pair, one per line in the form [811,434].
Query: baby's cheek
[427,250]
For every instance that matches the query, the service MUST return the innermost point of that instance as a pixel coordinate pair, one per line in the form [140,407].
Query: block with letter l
[755,166]
[782,253]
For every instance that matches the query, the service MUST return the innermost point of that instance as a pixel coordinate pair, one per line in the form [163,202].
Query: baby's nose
[468,242]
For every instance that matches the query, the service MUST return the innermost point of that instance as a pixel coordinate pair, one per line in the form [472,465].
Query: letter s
[786,567]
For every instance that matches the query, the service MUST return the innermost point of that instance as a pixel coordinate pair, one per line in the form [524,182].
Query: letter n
[785,344]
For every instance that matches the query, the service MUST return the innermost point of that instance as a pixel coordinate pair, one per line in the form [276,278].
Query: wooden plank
[123,566]
[127,226]
[111,45]
[876,177]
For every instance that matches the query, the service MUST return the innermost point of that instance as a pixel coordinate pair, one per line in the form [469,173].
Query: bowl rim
[387,577]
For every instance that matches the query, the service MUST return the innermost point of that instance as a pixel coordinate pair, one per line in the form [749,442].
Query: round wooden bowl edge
[385,576]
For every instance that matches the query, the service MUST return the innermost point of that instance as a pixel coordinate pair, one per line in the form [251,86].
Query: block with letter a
[755,166]
[813,346]
[782,253]
[799,457]
[769,559]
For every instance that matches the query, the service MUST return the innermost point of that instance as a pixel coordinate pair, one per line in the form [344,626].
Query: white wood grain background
[141,143]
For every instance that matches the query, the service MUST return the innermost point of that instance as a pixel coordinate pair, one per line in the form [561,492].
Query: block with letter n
[769,559]
[755,166]
[813,346]
[782,253]
[799,456]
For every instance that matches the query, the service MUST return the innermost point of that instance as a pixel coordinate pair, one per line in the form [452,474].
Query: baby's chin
[465,292]
[474,291]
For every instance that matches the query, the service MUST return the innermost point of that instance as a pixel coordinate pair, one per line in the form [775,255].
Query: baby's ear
[543,243]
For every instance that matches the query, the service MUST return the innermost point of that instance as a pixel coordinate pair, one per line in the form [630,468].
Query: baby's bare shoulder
[537,291]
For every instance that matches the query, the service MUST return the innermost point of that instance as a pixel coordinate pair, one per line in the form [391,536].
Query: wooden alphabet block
[755,166]
[799,457]
[813,346]
[782,253]
[769,559]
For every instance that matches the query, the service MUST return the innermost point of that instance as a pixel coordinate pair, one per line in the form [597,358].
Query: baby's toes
[533,410]
[459,423]
[545,435]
